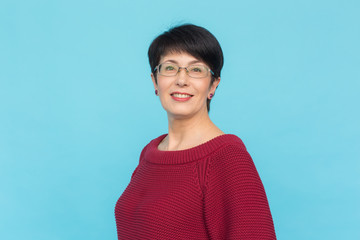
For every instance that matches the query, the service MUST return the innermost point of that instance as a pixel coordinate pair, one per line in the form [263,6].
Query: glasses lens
[168,69]
[198,71]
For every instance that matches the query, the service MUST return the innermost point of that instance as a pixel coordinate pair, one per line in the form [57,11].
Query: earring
[211,96]
[156,92]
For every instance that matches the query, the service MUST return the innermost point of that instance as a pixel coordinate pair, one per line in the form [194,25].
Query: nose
[182,77]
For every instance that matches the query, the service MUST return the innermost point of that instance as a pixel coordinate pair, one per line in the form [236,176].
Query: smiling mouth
[181,95]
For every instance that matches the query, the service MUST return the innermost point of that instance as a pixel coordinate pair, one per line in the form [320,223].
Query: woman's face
[181,95]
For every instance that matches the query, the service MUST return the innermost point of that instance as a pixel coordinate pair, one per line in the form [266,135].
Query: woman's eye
[169,68]
[196,69]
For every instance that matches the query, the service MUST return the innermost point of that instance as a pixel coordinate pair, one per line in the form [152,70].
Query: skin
[189,123]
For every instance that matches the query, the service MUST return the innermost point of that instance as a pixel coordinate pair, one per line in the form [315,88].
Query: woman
[194,182]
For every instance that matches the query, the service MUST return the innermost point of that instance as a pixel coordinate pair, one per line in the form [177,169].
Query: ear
[153,80]
[214,85]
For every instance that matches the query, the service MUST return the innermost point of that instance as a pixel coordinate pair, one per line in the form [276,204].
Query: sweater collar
[154,155]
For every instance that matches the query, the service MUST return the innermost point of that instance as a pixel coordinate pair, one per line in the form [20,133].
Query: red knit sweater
[211,191]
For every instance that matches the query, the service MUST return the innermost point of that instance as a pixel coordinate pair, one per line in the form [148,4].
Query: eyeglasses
[169,69]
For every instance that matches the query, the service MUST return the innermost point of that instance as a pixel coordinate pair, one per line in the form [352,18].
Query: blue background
[77,105]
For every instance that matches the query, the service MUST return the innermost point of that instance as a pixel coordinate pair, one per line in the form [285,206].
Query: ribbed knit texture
[211,191]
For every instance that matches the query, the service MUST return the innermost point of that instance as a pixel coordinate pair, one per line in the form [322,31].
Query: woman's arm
[235,203]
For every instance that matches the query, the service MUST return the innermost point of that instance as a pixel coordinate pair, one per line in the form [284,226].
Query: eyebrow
[190,63]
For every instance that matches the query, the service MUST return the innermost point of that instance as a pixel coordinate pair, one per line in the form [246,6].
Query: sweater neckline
[154,155]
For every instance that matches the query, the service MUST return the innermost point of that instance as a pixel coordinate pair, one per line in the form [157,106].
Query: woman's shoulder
[232,149]
[155,141]
[151,145]
[230,142]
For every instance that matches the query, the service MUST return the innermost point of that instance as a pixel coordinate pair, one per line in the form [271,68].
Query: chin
[179,114]
[182,113]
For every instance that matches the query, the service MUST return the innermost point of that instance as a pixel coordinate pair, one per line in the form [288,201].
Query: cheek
[203,88]
[163,90]
[163,84]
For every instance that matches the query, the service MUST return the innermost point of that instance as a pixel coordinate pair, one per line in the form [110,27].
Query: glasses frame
[187,71]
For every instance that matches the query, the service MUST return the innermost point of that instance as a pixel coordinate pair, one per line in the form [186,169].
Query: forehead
[179,58]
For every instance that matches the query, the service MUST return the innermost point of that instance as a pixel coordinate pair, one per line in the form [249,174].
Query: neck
[185,133]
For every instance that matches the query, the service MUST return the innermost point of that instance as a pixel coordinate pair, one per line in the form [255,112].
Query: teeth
[181,95]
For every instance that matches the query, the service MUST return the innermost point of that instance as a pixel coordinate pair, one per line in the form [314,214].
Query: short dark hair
[194,40]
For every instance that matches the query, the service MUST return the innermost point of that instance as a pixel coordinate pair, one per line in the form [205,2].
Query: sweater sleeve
[235,203]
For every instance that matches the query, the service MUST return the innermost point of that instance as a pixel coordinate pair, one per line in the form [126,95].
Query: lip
[181,99]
